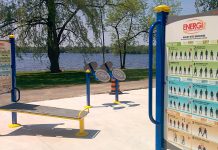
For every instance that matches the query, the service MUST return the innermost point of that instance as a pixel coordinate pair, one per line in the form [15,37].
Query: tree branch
[130,27]
[143,31]
[64,37]
[102,6]
[65,24]
[6,23]
[28,24]
[116,25]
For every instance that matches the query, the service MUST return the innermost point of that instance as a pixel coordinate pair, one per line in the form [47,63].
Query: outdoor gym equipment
[186,80]
[160,53]
[8,85]
[114,73]
[104,74]
[99,75]
[116,76]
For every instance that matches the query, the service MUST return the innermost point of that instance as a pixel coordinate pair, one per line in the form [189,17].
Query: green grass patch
[37,80]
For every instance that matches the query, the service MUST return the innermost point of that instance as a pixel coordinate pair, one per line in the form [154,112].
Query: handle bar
[150,74]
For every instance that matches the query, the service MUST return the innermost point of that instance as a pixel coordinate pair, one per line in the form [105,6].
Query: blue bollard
[88,76]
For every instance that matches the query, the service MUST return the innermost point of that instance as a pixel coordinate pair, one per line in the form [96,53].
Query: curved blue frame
[150,72]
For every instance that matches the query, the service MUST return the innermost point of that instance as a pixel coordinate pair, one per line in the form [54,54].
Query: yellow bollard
[82,132]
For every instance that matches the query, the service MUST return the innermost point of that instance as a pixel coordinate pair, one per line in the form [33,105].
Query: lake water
[75,61]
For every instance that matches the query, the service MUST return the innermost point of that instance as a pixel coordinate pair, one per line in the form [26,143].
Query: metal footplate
[119,74]
[102,75]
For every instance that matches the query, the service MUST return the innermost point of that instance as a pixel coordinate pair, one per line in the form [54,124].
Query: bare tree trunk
[119,46]
[52,39]
[121,59]
[124,56]
[103,38]
[125,44]
[53,52]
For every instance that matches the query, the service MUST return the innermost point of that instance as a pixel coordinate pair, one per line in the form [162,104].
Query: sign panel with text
[191,99]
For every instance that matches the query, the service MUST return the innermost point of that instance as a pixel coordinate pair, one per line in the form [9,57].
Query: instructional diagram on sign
[5,67]
[191,102]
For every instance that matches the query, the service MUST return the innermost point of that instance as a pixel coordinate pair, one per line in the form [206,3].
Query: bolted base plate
[14,125]
[117,102]
[88,107]
[82,134]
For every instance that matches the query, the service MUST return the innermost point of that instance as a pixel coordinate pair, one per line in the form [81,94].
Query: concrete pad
[111,127]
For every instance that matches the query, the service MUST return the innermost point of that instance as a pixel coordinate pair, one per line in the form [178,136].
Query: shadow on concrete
[129,103]
[49,130]
[114,106]
[120,93]
[99,106]
[122,105]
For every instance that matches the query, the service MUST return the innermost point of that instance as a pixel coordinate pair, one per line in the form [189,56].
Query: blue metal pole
[117,90]
[13,76]
[92,71]
[160,73]
[88,73]
[116,84]
[108,70]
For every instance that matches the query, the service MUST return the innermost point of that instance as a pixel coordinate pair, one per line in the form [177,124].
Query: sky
[188,7]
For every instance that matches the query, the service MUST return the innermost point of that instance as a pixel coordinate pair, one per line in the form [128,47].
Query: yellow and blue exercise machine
[104,74]
[9,74]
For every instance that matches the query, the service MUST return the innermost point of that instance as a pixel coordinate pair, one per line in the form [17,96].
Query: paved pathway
[71,91]
[125,127]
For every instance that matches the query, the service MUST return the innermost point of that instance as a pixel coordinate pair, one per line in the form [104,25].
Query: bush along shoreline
[42,79]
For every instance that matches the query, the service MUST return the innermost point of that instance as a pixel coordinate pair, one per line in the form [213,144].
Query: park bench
[50,112]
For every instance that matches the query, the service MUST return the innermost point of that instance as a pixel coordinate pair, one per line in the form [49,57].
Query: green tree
[205,5]
[127,20]
[102,7]
[130,20]
[49,23]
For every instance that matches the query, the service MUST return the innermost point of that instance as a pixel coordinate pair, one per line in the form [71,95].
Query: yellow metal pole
[82,131]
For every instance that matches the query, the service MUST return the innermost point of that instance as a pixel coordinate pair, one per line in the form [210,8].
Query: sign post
[13,81]
[160,24]
[186,81]
[8,72]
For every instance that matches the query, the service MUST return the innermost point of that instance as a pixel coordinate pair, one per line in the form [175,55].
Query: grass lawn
[36,80]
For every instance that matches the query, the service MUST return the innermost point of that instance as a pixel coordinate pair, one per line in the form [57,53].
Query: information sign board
[5,67]
[191,99]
